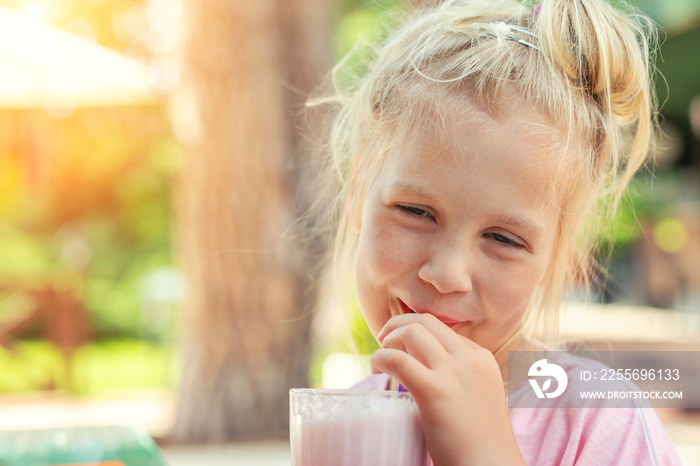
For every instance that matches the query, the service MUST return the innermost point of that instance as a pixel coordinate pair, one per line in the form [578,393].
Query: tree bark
[246,70]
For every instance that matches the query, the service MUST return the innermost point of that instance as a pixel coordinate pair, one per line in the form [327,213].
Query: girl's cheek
[389,251]
[513,285]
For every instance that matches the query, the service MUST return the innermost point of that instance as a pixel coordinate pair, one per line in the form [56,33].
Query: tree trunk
[247,67]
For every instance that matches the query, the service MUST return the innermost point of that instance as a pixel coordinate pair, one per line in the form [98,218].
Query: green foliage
[99,220]
[357,34]
[98,367]
[85,200]
[123,364]
[648,199]
[23,256]
[361,336]
[32,366]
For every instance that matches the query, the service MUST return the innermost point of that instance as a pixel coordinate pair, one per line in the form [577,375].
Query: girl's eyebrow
[403,187]
[523,224]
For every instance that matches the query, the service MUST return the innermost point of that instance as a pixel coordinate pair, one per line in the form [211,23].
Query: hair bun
[601,52]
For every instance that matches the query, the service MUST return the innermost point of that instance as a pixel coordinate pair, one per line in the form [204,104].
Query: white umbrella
[44,66]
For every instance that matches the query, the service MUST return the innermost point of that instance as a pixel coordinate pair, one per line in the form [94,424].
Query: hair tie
[536,9]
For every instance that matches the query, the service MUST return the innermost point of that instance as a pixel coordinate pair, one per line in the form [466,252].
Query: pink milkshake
[355,428]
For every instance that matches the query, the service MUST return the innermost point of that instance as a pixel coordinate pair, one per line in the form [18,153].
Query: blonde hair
[582,64]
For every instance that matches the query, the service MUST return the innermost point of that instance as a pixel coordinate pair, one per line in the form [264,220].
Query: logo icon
[542,368]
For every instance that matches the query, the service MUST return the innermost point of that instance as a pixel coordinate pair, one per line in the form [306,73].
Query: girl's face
[460,229]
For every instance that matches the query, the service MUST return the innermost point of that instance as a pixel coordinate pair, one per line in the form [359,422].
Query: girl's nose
[447,272]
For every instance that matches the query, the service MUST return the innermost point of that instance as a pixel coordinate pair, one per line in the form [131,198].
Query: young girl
[482,139]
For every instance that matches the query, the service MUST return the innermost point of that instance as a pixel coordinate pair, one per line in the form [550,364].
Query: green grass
[98,367]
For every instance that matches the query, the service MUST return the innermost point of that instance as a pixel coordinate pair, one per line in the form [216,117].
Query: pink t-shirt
[582,436]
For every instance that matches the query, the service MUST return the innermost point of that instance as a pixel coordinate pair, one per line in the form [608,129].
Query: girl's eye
[415,211]
[506,241]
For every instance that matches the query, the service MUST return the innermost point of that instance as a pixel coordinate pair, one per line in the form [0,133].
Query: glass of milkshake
[355,428]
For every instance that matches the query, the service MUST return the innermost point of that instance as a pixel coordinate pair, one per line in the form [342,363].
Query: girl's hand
[457,387]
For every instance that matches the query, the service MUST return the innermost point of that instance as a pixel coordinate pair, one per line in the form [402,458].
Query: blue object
[36,447]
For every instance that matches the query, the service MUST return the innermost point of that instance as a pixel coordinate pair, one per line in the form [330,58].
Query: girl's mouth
[450,322]
[404,308]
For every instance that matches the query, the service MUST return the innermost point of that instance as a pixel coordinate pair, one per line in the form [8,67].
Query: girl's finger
[419,342]
[402,366]
[451,341]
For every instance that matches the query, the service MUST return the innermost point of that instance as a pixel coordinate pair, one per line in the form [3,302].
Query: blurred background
[151,165]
